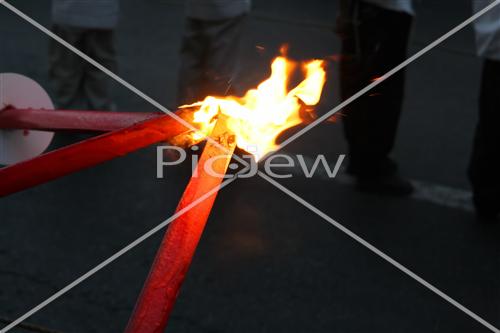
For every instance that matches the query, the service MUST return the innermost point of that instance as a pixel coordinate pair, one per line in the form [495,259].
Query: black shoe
[390,185]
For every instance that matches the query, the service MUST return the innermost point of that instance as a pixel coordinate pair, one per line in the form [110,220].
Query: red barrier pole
[71,120]
[88,153]
[181,239]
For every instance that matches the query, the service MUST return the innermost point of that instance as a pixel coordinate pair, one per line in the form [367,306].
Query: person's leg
[376,43]
[193,54]
[99,45]
[66,68]
[223,57]
[484,170]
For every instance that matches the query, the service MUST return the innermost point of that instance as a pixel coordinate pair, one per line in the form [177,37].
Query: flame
[263,113]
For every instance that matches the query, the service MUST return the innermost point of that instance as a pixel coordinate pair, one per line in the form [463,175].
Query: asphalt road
[265,262]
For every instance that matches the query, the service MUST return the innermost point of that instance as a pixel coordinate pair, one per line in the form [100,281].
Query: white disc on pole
[21,92]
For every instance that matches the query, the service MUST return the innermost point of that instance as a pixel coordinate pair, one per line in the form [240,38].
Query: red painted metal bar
[71,120]
[181,239]
[88,153]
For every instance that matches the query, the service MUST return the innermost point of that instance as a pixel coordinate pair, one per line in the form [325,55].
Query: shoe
[389,185]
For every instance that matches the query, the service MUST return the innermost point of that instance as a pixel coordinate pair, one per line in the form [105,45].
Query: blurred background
[265,263]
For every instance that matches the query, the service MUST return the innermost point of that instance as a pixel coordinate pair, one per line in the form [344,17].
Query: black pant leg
[375,44]
[484,170]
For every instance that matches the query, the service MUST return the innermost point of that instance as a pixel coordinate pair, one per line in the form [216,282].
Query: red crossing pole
[176,251]
[81,155]
[71,120]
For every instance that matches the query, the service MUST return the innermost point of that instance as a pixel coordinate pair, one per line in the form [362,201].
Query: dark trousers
[373,42]
[209,58]
[484,171]
[76,83]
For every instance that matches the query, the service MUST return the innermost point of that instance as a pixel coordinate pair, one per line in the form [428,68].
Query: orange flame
[263,113]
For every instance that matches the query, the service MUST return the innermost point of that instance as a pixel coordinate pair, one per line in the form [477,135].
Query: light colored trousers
[76,83]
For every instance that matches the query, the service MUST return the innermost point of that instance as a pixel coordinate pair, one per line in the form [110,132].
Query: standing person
[484,170]
[210,45]
[375,36]
[89,26]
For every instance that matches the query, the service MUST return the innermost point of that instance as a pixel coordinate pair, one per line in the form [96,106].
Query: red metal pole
[181,239]
[88,153]
[71,120]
